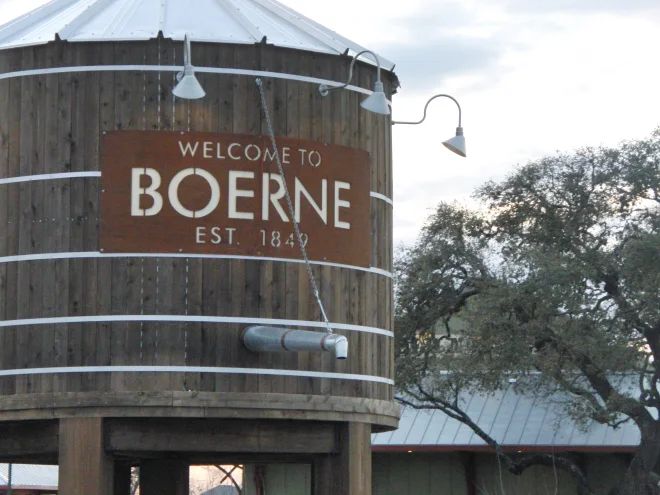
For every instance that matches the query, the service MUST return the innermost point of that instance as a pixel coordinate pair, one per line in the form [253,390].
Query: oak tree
[555,281]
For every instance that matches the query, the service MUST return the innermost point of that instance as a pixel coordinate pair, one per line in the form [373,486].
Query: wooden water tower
[141,234]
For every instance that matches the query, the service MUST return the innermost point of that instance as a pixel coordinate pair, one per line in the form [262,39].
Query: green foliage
[556,277]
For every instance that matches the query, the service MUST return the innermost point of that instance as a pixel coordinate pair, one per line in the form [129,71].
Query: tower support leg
[122,485]
[349,471]
[84,467]
[164,477]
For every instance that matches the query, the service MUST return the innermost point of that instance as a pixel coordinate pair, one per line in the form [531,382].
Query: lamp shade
[188,87]
[457,143]
[377,101]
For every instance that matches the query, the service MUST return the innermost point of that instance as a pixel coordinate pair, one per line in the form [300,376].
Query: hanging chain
[296,226]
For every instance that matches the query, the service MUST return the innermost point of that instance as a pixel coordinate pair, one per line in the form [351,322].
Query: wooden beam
[84,466]
[164,477]
[28,440]
[349,471]
[130,436]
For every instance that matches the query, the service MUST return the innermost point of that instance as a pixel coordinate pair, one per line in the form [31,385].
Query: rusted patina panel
[197,192]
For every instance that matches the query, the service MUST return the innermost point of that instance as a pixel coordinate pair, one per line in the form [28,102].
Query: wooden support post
[470,467]
[164,477]
[122,485]
[84,466]
[349,472]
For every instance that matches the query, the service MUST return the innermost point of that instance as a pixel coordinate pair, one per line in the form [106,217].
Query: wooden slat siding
[44,103]
[195,344]
[104,268]
[245,275]
[267,283]
[273,277]
[322,120]
[129,115]
[67,280]
[178,115]
[135,339]
[45,212]
[289,284]
[27,143]
[84,204]
[7,351]
[211,281]
[150,267]
[220,274]
[202,116]
[11,168]
[307,306]
[121,293]
[224,303]
[328,290]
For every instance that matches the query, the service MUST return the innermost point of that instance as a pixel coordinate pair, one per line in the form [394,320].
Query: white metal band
[38,177]
[95,254]
[60,320]
[195,369]
[382,197]
[178,68]
[76,175]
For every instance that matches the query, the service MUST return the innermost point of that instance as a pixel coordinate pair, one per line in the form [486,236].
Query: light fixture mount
[377,101]
[455,144]
[188,87]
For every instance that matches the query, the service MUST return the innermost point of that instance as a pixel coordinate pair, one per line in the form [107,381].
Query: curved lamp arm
[455,144]
[186,52]
[324,89]
[427,106]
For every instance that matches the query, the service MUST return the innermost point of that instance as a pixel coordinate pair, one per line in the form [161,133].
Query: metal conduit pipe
[276,339]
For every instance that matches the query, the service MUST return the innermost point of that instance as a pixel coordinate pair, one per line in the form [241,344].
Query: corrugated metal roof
[30,475]
[217,21]
[222,490]
[509,417]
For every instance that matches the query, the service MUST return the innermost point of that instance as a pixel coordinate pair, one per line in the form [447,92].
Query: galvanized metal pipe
[277,339]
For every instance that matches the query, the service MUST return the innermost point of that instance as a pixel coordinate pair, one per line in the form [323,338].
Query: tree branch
[515,464]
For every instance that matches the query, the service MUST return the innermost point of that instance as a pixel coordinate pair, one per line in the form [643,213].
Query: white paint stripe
[94,174]
[195,369]
[75,175]
[382,197]
[95,254]
[63,175]
[58,320]
[177,68]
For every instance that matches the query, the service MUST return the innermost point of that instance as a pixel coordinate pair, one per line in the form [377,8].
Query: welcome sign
[195,192]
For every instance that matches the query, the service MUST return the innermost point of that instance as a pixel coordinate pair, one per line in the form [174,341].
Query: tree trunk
[640,479]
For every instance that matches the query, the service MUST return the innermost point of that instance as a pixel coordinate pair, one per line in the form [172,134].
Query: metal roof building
[30,477]
[217,21]
[513,419]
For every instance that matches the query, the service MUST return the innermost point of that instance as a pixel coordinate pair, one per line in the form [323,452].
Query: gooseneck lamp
[377,101]
[188,86]
[455,144]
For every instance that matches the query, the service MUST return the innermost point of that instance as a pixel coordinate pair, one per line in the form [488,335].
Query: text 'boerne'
[243,199]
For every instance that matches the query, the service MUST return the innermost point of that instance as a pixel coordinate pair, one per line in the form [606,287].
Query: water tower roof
[217,21]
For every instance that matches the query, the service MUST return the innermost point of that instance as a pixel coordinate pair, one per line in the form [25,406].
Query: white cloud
[532,76]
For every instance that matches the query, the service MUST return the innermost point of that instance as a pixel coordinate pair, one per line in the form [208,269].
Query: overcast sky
[532,76]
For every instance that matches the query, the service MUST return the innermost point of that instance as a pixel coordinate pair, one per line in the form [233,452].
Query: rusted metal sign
[195,192]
